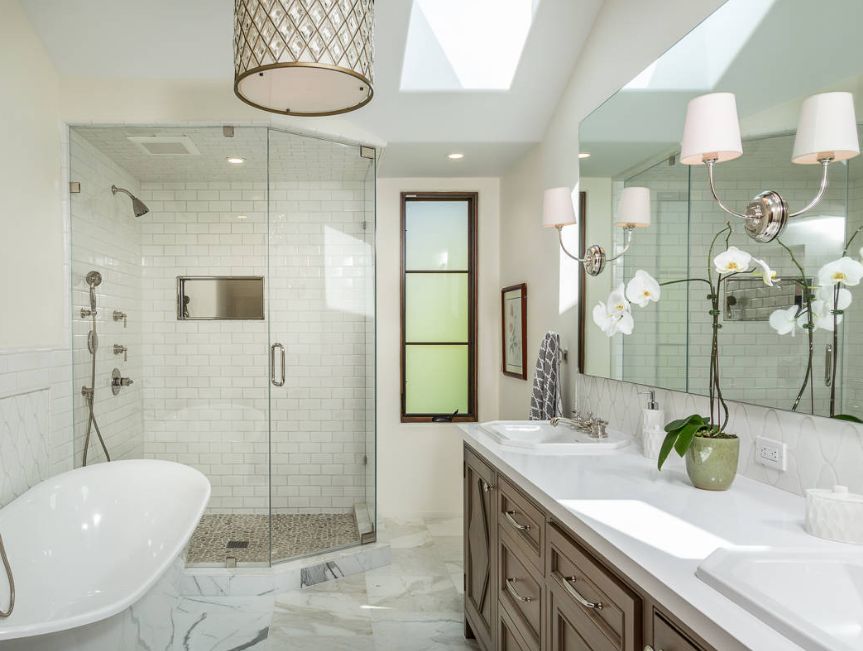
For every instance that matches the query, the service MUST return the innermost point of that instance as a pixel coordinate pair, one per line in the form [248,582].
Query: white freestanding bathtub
[96,553]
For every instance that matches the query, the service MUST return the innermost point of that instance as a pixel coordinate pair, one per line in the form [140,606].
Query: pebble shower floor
[246,537]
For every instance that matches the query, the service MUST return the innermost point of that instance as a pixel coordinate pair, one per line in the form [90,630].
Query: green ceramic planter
[711,463]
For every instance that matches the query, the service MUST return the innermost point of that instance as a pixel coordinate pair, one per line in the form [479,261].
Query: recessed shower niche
[266,382]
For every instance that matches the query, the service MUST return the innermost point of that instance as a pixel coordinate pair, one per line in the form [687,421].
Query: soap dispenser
[652,426]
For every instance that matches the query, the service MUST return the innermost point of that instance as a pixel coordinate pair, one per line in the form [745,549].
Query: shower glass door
[321,330]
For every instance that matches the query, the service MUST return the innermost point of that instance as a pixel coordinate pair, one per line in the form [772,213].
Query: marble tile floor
[414,604]
[293,535]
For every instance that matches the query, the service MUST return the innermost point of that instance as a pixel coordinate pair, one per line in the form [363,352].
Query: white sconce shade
[711,129]
[633,208]
[827,129]
[557,209]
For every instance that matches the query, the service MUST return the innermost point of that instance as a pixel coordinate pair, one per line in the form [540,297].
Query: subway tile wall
[207,390]
[105,238]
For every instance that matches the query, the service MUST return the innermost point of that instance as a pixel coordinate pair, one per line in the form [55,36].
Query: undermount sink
[541,437]
[814,598]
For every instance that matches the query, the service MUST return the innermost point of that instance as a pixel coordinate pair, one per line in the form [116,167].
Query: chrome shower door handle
[828,365]
[281,382]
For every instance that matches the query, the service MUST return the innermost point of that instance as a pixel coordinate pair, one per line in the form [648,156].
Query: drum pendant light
[304,57]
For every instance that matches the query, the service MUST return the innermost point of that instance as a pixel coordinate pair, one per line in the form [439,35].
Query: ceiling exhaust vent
[165,145]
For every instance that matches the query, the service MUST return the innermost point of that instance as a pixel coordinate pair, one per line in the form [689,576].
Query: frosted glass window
[436,308]
[436,379]
[438,305]
[436,235]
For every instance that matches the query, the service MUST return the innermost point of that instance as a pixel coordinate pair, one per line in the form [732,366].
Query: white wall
[31,219]
[35,363]
[419,465]
[531,254]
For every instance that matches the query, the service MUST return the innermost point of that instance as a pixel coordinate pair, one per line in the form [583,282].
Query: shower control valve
[120,316]
[118,381]
[121,350]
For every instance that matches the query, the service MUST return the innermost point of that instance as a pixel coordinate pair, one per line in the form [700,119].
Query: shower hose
[8,568]
[90,392]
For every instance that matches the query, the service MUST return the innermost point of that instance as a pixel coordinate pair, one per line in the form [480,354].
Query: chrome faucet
[595,427]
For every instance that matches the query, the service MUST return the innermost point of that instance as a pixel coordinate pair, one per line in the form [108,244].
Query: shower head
[138,206]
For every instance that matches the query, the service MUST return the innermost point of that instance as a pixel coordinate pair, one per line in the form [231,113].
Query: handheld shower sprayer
[94,279]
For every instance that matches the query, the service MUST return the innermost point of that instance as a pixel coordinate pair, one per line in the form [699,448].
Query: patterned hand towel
[546,401]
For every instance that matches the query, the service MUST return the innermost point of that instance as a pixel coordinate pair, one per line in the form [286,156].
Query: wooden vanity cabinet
[480,551]
[532,585]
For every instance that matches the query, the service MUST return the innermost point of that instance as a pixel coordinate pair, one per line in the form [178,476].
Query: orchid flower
[733,260]
[614,315]
[825,293]
[642,289]
[844,270]
[822,316]
[767,274]
[784,320]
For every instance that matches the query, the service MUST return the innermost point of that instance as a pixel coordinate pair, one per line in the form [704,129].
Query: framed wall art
[513,301]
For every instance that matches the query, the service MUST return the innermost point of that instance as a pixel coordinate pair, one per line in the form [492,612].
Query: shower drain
[238,544]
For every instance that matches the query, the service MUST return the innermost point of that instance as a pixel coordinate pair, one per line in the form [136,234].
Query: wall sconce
[633,211]
[826,132]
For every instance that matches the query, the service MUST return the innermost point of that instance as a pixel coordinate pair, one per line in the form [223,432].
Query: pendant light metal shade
[304,57]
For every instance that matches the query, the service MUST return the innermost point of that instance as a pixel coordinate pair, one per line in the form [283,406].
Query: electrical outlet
[770,453]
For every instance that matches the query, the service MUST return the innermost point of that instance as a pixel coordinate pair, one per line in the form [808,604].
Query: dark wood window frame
[472,199]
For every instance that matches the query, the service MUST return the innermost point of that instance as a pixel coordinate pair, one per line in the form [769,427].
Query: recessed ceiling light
[242,216]
[235,160]
[584,154]
[455,156]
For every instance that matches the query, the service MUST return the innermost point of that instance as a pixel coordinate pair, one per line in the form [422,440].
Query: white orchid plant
[822,308]
[614,316]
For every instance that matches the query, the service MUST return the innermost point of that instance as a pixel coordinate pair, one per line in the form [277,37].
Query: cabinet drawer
[508,637]
[667,638]
[606,613]
[520,517]
[520,590]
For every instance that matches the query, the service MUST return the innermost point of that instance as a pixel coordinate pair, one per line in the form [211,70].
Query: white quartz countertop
[656,527]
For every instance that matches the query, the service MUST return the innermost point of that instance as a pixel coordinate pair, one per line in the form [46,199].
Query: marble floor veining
[414,604]
[293,535]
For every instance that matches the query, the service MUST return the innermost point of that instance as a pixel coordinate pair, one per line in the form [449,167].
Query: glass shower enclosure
[240,311]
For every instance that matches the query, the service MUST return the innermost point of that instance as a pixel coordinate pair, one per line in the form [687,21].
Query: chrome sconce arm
[595,258]
[826,133]
[767,214]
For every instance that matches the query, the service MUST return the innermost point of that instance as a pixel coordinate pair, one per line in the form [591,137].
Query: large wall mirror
[786,51]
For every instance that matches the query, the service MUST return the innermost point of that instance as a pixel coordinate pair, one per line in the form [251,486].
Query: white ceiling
[192,39]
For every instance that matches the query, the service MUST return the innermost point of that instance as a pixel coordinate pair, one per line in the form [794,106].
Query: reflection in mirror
[634,139]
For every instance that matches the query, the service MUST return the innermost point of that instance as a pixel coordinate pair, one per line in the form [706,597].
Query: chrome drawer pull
[514,522]
[567,585]
[514,592]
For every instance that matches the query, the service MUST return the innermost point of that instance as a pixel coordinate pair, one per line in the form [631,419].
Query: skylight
[703,56]
[465,44]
